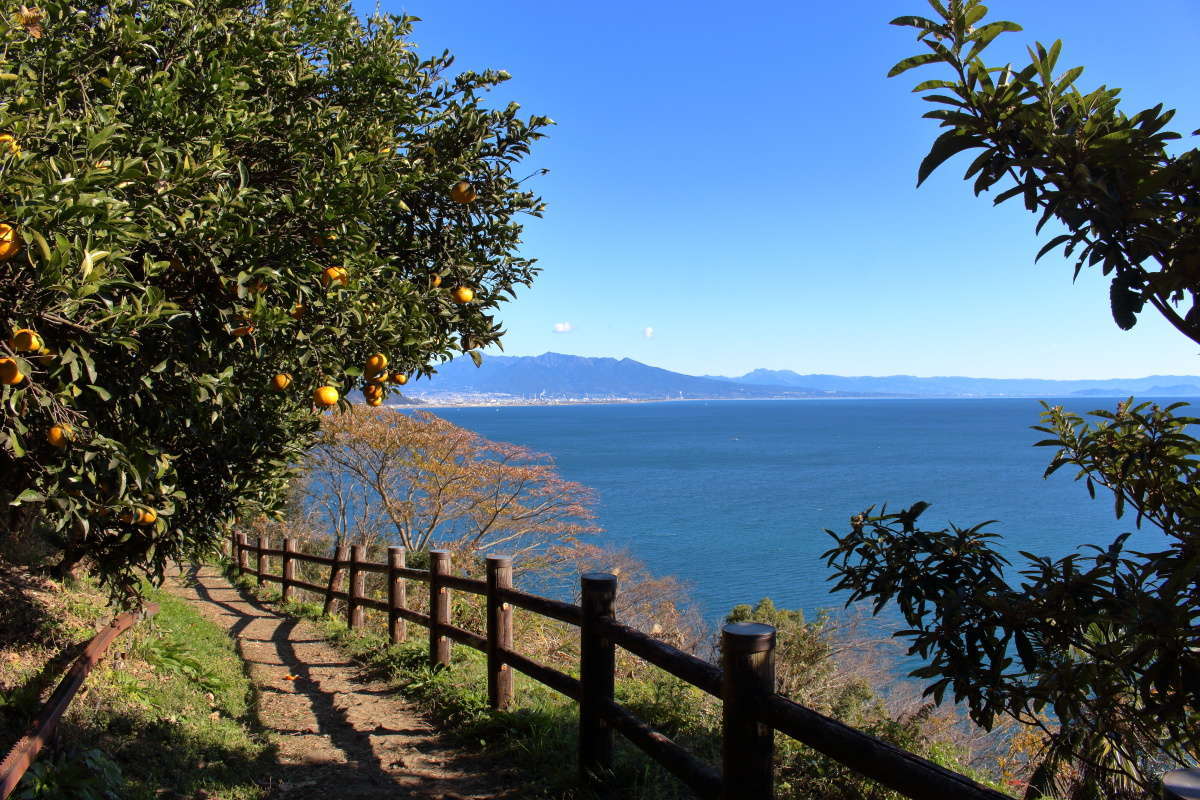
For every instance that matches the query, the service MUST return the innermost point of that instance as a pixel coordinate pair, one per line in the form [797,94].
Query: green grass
[167,714]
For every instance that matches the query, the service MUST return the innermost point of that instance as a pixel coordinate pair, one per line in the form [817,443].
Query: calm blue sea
[734,496]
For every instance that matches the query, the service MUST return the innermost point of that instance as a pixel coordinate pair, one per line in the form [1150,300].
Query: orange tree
[213,215]
[1100,650]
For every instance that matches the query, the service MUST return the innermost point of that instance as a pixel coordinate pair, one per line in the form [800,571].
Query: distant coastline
[521,402]
[558,379]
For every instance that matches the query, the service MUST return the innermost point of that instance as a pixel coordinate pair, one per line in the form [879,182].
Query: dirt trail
[338,735]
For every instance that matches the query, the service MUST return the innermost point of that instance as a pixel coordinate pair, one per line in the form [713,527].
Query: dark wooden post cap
[1181,784]
[597,580]
[748,637]
[500,561]
[440,555]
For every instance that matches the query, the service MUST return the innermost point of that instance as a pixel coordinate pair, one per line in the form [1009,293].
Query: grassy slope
[170,707]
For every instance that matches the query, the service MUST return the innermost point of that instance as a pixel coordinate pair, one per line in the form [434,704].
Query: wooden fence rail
[41,729]
[752,712]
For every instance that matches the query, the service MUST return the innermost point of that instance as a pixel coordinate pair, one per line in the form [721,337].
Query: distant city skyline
[733,190]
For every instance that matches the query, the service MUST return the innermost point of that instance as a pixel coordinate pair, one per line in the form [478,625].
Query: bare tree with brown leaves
[424,481]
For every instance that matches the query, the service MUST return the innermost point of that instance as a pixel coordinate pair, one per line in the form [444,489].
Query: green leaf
[911,62]
[984,36]
[944,147]
[935,84]
[1053,243]
[103,135]
[28,496]
[916,22]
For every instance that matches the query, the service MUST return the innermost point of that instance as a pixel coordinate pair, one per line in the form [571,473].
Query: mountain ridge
[560,376]
[556,375]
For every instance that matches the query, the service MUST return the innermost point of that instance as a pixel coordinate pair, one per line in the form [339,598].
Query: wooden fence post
[747,741]
[499,632]
[335,578]
[262,559]
[597,664]
[242,555]
[233,547]
[439,608]
[289,568]
[397,596]
[354,611]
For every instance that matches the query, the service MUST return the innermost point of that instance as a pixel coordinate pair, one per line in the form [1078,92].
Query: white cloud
[648,332]
[563,327]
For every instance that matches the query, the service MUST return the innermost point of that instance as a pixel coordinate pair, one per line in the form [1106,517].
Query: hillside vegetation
[168,713]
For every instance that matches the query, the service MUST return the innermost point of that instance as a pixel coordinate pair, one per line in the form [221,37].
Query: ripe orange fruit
[7,139]
[59,435]
[243,330]
[297,311]
[281,381]
[463,192]
[147,516]
[10,372]
[10,242]
[375,364]
[334,274]
[399,377]
[25,341]
[374,401]
[326,396]
[463,294]
[372,391]
[435,281]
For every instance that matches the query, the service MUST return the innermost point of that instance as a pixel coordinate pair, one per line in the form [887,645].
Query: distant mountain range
[1153,385]
[554,376]
[557,376]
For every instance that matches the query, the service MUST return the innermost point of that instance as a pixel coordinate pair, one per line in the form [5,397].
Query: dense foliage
[210,210]
[1128,206]
[1100,650]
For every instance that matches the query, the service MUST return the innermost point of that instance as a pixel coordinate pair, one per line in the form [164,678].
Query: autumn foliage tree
[418,481]
[213,213]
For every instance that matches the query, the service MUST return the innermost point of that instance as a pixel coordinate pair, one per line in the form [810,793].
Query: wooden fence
[21,757]
[745,681]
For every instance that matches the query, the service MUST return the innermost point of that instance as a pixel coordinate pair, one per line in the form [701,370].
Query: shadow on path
[338,735]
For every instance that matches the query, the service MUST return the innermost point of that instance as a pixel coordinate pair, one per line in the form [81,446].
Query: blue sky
[732,186]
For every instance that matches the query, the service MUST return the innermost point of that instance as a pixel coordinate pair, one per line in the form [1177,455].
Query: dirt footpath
[338,735]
